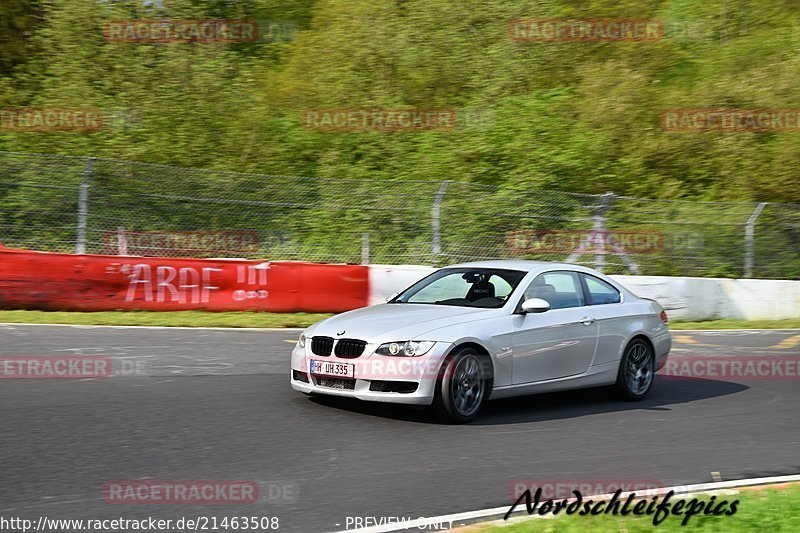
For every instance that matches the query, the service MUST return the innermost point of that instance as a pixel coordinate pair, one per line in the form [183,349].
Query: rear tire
[463,387]
[636,371]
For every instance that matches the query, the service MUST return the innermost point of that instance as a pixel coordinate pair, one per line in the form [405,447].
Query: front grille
[300,376]
[337,383]
[403,387]
[321,346]
[350,348]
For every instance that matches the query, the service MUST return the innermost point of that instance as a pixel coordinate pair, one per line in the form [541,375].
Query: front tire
[636,370]
[464,386]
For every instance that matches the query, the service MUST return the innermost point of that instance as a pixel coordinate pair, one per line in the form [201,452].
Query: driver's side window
[560,289]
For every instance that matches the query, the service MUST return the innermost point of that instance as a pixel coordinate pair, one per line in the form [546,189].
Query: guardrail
[69,282]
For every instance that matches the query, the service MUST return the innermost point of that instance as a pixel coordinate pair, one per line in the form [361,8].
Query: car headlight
[405,348]
[301,342]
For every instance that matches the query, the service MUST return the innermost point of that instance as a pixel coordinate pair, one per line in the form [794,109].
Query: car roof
[519,264]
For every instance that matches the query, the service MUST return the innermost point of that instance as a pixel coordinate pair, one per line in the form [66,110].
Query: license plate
[329,368]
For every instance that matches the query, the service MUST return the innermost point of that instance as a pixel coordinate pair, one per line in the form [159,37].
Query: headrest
[545,292]
[480,290]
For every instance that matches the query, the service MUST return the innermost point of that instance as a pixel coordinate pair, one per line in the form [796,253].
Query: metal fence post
[749,233]
[598,234]
[365,248]
[599,229]
[436,228]
[83,207]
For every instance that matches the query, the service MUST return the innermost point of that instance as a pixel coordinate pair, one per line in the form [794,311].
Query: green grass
[172,318]
[773,510]
[247,319]
[793,323]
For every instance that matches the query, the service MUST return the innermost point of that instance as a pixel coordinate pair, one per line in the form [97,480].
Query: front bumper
[422,371]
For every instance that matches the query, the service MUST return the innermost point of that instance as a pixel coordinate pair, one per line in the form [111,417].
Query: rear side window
[600,292]
[560,289]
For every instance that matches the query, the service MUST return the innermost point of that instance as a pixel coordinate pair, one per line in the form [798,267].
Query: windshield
[464,287]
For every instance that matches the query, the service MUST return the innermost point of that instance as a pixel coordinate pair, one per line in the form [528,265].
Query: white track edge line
[679,489]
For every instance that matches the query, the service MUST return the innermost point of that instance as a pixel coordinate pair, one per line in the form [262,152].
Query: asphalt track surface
[216,404]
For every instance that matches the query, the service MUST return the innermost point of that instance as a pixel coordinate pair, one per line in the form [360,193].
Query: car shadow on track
[553,405]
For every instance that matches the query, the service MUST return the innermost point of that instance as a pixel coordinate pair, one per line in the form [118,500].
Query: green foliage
[581,117]
[18,20]
[578,117]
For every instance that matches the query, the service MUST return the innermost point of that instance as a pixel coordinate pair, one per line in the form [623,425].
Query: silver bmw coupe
[477,331]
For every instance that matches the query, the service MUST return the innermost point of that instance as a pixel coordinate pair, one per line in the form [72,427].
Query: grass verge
[793,323]
[764,509]
[172,319]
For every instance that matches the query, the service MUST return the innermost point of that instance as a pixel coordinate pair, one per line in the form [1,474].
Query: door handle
[587,321]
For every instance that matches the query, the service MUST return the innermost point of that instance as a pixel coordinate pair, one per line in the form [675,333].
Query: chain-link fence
[94,205]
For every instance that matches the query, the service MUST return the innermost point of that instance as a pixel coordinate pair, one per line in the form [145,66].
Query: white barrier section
[387,279]
[757,299]
[683,298]
[716,298]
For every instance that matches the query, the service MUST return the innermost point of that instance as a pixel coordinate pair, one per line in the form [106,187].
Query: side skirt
[596,376]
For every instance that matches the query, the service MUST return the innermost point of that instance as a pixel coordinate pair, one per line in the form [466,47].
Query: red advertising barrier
[64,282]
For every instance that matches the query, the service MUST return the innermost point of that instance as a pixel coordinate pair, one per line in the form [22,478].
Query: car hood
[396,322]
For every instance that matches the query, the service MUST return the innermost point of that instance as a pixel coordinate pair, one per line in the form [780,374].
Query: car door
[605,306]
[557,343]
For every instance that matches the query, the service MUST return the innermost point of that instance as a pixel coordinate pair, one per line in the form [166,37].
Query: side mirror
[535,305]
[391,296]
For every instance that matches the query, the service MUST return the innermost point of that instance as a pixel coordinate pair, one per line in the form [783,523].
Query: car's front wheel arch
[481,350]
[463,383]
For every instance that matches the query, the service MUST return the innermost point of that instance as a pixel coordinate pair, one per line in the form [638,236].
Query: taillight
[664,318]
